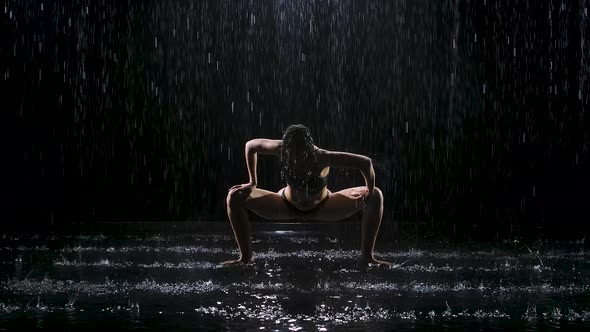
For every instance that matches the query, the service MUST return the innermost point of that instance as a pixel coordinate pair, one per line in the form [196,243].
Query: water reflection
[289,287]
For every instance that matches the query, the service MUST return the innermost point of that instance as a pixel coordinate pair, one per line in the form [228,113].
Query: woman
[305,169]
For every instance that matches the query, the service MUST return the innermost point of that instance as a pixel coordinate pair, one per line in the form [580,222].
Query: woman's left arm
[369,175]
[352,160]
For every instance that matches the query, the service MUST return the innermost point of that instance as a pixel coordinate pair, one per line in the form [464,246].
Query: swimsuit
[293,207]
[312,185]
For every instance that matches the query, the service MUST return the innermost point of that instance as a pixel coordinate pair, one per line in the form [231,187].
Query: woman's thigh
[269,205]
[341,205]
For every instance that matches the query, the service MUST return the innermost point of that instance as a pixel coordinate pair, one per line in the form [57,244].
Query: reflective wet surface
[298,281]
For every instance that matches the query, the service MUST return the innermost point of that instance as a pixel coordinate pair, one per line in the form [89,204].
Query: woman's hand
[364,194]
[367,195]
[242,190]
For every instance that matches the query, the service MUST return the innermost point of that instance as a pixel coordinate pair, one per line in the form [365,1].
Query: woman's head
[297,141]
[297,147]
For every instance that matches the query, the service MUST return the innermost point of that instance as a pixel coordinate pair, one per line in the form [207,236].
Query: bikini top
[312,185]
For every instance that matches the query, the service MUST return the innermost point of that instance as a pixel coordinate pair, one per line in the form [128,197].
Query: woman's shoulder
[266,145]
[319,150]
[321,156]
[341,159]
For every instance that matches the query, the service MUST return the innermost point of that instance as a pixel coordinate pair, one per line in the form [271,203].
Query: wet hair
[296,137]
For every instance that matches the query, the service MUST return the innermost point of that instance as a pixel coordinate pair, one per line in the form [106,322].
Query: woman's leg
[267,204]
[372,215]
[345,203]
[240,225]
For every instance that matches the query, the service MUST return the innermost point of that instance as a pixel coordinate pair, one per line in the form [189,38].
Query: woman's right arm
[262,146]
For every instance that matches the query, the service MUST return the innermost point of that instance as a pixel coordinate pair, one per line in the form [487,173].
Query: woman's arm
[352,160]
[262,146]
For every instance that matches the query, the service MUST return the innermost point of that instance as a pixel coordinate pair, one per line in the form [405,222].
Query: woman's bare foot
[371,261]
[237,261]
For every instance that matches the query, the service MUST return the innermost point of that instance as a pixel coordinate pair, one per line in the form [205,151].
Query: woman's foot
[237,261]
[371,261]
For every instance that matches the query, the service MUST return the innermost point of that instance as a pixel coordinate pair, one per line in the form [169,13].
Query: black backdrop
[474,112]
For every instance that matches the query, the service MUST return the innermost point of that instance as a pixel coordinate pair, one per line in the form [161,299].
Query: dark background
[474,112]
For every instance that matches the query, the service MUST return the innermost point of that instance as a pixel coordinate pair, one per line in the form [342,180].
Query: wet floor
[298,281]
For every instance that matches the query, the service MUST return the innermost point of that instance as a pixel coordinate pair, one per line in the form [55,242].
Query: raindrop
[484,88]
[406,127]
[41,6]
[232,107]
[156,42]
[475,38]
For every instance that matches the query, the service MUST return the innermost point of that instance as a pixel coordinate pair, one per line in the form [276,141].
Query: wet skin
[340,205]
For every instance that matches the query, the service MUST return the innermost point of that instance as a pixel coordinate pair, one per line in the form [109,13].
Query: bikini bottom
[294,208]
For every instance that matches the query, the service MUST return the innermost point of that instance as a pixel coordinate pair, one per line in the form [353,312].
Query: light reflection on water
[161,281]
